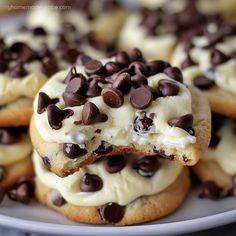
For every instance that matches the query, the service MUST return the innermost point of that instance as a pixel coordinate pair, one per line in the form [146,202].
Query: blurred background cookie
[207,58]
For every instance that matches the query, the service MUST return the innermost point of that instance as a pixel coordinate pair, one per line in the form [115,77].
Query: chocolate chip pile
[15,58]
[160,21]
[124,76]
[22,191]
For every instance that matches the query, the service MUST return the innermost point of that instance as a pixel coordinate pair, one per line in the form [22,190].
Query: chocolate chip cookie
[124,104]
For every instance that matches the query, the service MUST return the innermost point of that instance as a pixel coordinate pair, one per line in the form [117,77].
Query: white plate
[196,214]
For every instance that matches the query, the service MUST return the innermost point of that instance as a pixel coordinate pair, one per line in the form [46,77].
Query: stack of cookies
[102,155]
[122,107]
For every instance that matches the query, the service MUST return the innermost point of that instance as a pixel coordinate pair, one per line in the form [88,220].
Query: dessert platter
[116,120]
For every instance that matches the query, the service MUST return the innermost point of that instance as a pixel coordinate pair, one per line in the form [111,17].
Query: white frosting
[153,47]
[122,187]
[224,152]
[118,130]
[225,73]
[13,88]
[12,153]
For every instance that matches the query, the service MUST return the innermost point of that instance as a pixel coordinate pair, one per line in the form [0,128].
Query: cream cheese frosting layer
[224,74]
[118,129]
[12,153]
[122,187]
[225,152]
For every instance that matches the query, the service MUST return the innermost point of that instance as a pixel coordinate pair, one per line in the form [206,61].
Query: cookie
[156,31]
[225,7]
[15,156]
[208,61]
[119,105]
[104,17]
[41,55]
[216,169]
[103,193]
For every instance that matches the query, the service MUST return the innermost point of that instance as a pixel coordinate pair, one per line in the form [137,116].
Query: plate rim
[173,228]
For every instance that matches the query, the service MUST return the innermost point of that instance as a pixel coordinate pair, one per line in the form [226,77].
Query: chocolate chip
[12,194]
[122,58]
[103,149]
[141,98]
[44,101]
[187,62]
[93,67]
[203,83]
[57,199]
[73,99]
[2,194]
[139,80]
[174,73]
[72,74]
[112,212]
[18,71]
[29,182]
[114,164]
[56,116]
[91,183]
[111,68]
[183,122]
[147,166]
[112,97]
[47,162]
[218,57]
[157,66]
[143,123]
[39,31]
[136,55]
[76,85]
[70,54]
[211,190]
[2,174]
[20,194]
[49,66]
[23,51]
[122,83]
[83,59]
[8,137]
[137,67]
[73,150]
[167,88]
[94,90]
[91,114]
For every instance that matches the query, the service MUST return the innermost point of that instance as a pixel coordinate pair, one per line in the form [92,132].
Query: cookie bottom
[17,113]
[14,171]
[211,171]
[224,105]
[144,209]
